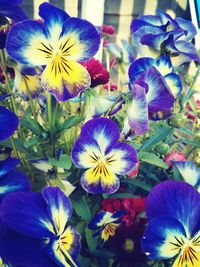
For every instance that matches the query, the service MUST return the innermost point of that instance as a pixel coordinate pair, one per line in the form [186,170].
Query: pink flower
[113,87]
[107,29]
[134,172]
[98,73]
[174,156]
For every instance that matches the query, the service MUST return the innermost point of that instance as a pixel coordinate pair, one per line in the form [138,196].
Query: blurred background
[118,13]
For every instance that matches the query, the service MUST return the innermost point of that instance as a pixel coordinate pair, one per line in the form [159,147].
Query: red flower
[107,29]
[174,156]
[134,172]
[98,74]
[132,207]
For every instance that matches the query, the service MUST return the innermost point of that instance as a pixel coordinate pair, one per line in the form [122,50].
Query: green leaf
[91,241]
[81,208]
[140,184]
[64,162]
[70,122]
[189,142]
[31,142]
[152,159]
[158,137]
[32,125]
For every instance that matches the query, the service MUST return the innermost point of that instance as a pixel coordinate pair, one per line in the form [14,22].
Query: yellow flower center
[129,245]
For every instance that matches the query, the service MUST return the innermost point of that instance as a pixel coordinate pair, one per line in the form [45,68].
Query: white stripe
[71,7]
[36,5]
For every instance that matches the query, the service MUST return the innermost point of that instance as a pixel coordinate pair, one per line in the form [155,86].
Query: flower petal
[121,159]
[66,249]
[15,13]
[100,180]
[8,165]
[12,182]
[189,171]
[85,153]
[8,123]
[26,251]
[138,111]
[160,238]
[174,82]
[53,17]
[27,43]
[188,27]
[159,96]
[65,79]
[139,66]
[59,207]
[79,39]
[163,65]
[26,213]
[177,200]
[104,131]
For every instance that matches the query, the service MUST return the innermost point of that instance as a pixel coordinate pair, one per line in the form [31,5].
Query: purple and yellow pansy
[173,231]
[44,216]
[58,44]
[99,151]
[106,223]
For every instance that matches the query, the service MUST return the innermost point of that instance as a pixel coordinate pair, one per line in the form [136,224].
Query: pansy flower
[57,44]
[154,87]
[10,179]
[189,171]
[99,151]
[44,216]
[106,223]
[8,123]
[161,34]
[173,232]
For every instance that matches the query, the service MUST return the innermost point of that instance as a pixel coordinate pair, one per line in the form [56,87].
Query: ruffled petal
[189,171]
[8,123]
[160,240]
[174,83]
[144,50]
[177,200]
[65,79]
[66,249]
[53,17]
[79,40]
[26,251]
[8,165]
[121,159]
[159,96]
[188,27]
[104,131]
[138,111]
[139,66]
[59,207]
[12,182]
[27,43]
[5,3]
[26,213]
[15,13]
[100,180]
[85,153]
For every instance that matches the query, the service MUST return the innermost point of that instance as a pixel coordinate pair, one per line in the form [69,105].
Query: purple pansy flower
[161,34]
[8,123]
[99,151]
[173,212]
[58,44]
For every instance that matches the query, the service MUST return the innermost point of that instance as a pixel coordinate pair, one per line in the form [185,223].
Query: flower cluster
[99,152]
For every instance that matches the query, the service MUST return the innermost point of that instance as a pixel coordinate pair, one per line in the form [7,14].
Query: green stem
[113,105]
[30,99]
[51,125]
[14,148]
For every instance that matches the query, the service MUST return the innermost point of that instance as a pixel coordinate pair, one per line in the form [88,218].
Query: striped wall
[118,13]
